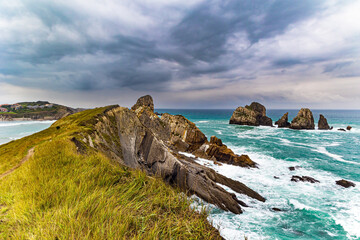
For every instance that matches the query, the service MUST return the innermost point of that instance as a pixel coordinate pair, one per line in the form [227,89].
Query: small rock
[348,128]
[293,168]
[276,177]
[283,121]
[345,183]
[341,129]
[304,179]
[276,209]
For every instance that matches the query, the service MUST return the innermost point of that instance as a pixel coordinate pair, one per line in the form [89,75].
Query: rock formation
[348,128]
[323,124]
[144,101]
[303,120]
[304,179]
[345,183]
[341,129]
[253,115]
[283,121]
[138,138]
[186,137]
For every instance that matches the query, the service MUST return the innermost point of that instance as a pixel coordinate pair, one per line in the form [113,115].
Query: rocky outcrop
[345,183]
[144,101]
[139,139]
[186,137]
[323,124]
[304,179]
[253,115]
[348,128]
[283,121]
[303,120]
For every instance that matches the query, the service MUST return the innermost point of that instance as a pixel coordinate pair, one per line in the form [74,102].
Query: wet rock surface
[345,183]
[304,179]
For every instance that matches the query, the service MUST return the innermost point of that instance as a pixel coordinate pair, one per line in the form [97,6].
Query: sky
[186,54]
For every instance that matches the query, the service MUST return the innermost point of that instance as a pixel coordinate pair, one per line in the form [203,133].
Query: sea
[308,210]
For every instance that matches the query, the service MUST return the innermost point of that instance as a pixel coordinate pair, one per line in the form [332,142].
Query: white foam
[202,121]
[187,154]
[10,124]
[332,155]
[283,194]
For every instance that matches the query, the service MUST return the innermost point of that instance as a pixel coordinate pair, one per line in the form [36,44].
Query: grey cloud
[201,43]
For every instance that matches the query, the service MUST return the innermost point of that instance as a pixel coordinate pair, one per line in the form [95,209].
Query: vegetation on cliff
[40,110]
[69,190]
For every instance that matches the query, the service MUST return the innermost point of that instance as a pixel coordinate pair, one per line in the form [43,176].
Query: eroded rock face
[345,183]
[139,139]
[253,115]
[323,124]
[283,121]
[303,120]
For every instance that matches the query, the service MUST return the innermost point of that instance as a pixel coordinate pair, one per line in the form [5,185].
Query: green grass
[61,194]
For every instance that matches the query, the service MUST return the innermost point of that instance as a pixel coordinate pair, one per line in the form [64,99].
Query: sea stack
[303,120]
[283,121]
[323,124]
[253,115]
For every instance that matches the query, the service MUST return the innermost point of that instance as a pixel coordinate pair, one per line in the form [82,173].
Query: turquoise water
[311,211]
[17,129]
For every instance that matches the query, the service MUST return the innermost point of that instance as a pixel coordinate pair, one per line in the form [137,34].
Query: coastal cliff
[34,111]
[139,139]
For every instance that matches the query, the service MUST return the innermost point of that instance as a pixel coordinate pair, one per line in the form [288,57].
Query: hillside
[40,110]
[113,173]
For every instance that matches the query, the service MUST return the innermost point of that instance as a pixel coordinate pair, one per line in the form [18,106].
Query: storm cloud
[187,54]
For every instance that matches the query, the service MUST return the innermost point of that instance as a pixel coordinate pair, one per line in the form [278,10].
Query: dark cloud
[89,46]
[336,66]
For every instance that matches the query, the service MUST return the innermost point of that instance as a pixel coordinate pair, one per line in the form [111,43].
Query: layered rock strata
[138,138]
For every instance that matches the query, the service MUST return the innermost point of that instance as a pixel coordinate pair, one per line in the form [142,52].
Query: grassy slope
[60,194]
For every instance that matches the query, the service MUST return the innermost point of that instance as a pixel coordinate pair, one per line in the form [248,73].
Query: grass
[61,194]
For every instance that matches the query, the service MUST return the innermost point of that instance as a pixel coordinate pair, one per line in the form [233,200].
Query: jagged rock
[253,115]
[283,121]
[304,179]
[185,136]
[124,136]
[345,183]
[341,129]
[144,101]
[303,120]
[323,124]
[224,154]
[348,128]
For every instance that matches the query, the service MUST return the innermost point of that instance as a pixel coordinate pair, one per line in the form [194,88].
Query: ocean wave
[333,156]
[11,124]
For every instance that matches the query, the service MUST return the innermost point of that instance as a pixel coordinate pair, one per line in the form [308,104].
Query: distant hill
[40,110]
